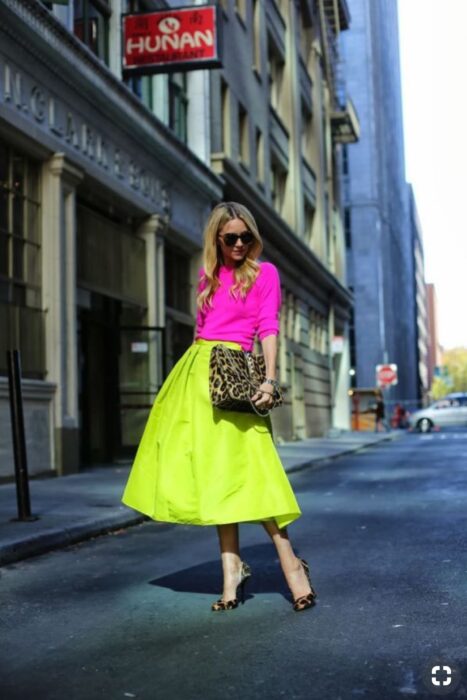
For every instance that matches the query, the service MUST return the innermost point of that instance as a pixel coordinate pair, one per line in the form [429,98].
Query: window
[347,227]
[240,9]
[257,37]
[91,25]
[178,105]
[179,323]
[306,41]
[307,132]
[243,136]
[19,230]
[278,185]
[225,109]
[177,280]
[309,221]
[276,76]
[345,160]
[21,318]
[141,85]
[259,147]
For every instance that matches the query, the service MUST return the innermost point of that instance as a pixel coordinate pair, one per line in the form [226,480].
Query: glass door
[142,370]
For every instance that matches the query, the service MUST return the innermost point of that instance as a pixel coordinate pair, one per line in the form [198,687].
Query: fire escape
[334,17]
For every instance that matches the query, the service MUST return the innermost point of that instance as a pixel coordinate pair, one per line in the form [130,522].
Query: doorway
[121,369]
[98,379]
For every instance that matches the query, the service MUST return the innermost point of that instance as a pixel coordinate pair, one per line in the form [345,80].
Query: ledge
[34,389]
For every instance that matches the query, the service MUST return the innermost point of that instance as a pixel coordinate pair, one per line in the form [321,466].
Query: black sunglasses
[230,239]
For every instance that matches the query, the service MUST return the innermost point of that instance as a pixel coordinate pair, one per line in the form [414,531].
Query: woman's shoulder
[267,272]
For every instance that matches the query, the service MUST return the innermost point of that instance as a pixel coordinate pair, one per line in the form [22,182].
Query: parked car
[441,414]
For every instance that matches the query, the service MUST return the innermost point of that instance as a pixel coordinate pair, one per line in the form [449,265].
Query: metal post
[19,442]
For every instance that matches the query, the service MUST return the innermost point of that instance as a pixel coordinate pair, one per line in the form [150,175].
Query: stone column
[154,230]
[59,182]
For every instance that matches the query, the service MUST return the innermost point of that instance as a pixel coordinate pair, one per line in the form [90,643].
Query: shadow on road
[207,577]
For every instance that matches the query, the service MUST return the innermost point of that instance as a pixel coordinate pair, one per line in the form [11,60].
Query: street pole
[19,442]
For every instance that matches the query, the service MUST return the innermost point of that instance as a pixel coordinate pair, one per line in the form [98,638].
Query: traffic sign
[386,375]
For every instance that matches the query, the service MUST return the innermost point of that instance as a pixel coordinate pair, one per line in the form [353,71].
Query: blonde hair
[246,273]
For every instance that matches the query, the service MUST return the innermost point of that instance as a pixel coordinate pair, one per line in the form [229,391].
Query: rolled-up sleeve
[200,315]
[269,306]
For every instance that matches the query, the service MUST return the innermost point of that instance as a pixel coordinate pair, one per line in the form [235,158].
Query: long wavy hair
[247,271]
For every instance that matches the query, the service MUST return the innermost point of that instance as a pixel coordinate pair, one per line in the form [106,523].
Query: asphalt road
[127,615]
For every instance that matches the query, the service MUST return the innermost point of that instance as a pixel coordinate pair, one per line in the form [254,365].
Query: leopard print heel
[232,604]
[305,601]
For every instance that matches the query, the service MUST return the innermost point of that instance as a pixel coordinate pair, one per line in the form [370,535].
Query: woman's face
[233,255]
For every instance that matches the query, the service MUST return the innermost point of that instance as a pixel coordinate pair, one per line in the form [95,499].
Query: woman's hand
[263,398]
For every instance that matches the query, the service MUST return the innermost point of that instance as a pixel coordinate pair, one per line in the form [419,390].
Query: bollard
[19,442]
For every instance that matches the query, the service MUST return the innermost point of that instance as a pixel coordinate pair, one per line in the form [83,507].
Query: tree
[455,361]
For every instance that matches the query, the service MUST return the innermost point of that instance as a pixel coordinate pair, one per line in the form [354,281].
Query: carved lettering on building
[38,104]
[22,93]
[71,131]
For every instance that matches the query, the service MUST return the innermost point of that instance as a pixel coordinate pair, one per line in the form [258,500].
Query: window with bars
[21,318]
[91,25]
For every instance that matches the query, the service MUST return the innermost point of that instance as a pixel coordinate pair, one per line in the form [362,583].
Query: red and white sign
[337,345]
[386,375]
[171,40]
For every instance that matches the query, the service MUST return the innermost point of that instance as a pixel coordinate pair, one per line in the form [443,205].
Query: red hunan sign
[171,40]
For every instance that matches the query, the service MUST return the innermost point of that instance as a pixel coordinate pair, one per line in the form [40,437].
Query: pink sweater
[240,320]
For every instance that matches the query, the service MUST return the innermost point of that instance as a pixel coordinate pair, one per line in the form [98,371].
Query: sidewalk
[77,507]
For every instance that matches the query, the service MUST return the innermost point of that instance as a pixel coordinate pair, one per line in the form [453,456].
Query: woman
[203,466]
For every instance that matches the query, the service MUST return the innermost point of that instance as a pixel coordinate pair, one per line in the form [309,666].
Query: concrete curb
[63,537]
[321,461]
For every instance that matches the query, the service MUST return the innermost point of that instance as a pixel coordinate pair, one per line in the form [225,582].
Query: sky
[434,89]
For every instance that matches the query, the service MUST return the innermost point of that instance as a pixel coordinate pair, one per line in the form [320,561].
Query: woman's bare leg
[293,570]
[231,561]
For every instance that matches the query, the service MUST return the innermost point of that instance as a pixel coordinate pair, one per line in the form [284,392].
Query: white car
[441,414]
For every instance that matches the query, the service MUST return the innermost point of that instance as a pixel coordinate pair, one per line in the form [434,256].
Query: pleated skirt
[200,465]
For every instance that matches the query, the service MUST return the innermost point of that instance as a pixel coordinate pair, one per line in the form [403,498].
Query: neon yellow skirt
[199,465]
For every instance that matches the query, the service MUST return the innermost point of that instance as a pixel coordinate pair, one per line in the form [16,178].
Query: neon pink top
[241,319]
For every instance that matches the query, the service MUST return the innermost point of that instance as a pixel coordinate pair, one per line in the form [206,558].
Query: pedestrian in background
[200,465]
[380,412]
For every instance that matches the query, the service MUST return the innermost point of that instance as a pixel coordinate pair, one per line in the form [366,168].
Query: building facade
[276,127]
[99,237]
[106,183]
[420,301]
[434,346]
[377,223]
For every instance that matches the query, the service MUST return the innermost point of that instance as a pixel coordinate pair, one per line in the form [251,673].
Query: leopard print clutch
[234,376]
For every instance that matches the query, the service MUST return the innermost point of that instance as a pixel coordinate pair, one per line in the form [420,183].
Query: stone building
[98,231]
[277,122]
[105,185]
